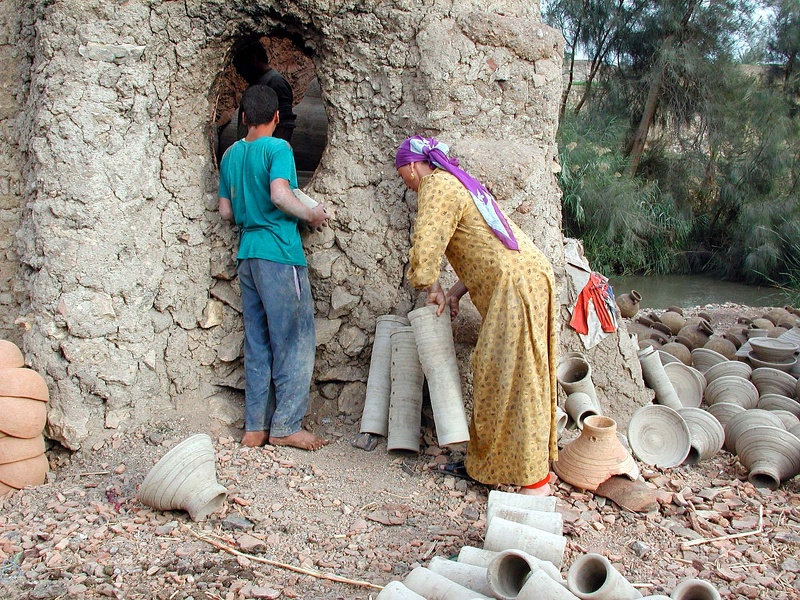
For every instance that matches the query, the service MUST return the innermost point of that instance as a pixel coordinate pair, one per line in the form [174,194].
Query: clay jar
[696,334]
[629,303]
[719,344]
[674,321]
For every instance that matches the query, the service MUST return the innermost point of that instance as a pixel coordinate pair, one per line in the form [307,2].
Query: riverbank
[367,517]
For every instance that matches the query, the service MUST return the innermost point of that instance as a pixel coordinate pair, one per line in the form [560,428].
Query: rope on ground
[274,563]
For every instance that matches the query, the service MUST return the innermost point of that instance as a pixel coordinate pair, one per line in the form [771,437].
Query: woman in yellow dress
[513,426]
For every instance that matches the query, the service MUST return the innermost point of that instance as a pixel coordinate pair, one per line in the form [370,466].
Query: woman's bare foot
[305,440]
[544,490]
[254,439]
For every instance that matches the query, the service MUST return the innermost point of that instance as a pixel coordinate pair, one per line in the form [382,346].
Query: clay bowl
[732,389]
[22,473]
[23,383]
[774,381]
[10,355]
[725,411]
[778,402]
[757,363]
[746,420]
[659,436]
[772,350]
[688,386]
[755,332]
[667,358]
[22,417]
[788,419]
[732,367]
[770,454]
[703,359]
[13,449]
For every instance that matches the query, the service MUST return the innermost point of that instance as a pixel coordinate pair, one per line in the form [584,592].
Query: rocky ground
[365,518]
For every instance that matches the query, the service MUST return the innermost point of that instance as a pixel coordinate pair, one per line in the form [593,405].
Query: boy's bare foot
[254,439]
[305,440]
[544,490]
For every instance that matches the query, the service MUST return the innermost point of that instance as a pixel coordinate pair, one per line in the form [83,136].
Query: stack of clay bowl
[773,353]
[23,397]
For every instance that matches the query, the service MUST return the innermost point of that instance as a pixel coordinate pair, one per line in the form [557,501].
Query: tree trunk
[636,147]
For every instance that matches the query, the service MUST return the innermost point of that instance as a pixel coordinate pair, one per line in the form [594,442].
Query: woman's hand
[452,302]
[436,297]
[453,297]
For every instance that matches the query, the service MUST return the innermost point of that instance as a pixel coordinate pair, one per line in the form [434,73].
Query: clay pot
[745,321]
[770,454]
[762,323]
[706,433]
[732,389]
[656,378]
[22,473]
[719,344]
[6,490]
[674,321]
[775,315]
[22,417]
[658,436]
[688,383]
[395,590]
[695,589]
[375,418]
[754,417]
[437,355]
[658,336]
[593,577]
[730,368]
[514,574]
[755,332]
[405,404]
[428,584]
[185,479]
[703,359]
[725,411]
[502,534]
[646,321]
[594,456]
[10,356]
[578,407]
[471,577]
[13,449]
[788,322]
[773,350]
[776,332]
[574,373]
[773,381]
[23,383]
[777,402]
[629,303]
[737,339]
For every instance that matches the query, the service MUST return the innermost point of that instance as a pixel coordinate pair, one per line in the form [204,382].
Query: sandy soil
[366,517]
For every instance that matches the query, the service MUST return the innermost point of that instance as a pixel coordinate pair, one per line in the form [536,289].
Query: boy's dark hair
[251,61]
[259,104]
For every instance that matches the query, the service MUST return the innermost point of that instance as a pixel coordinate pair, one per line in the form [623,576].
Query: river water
[661,291]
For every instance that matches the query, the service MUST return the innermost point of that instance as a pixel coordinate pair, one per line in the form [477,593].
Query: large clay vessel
[22,417]
[659,436]
[512,570]
[405,405]
[656,378]
[593,577]
[13,449]
[26,472]
[629,303]
[679,351]
[185,479]
[706,433]
[23,383]
[696,333]
[574,373]
[719,344]
[10,356]
[770,454]
[595,455]
[674,321]
[375,418]
[437,355]
[694,589]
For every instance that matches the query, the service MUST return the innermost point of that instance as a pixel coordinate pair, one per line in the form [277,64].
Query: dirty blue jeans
[279,345]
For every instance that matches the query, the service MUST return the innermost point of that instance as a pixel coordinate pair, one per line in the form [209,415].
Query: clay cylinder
[405,405]
[593,577]
[550,521]
[543,503]
[562,420]
[579,406]
[657,380]
[574,373]
[433,586]
[511,571]
[503,534]
[470,576]
[694,589]
[397,591]
[375,418]
[479,557]
[437,355]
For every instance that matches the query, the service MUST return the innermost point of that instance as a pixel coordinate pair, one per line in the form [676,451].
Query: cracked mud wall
[132,308]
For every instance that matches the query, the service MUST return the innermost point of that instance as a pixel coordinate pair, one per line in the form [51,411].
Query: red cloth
[597,290]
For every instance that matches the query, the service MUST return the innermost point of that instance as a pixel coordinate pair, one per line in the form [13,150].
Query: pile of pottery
[521,559]
[714,402]
[23,413]
[406,353]
[574,375]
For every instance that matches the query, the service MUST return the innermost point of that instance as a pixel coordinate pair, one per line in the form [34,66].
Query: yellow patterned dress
[513,425]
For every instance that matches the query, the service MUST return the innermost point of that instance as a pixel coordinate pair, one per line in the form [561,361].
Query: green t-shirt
[246,170]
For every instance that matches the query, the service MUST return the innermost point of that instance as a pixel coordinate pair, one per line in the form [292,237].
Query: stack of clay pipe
[521,560]
[23,412]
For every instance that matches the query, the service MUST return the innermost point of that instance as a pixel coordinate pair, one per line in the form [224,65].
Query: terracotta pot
[788,322]
[659,436]
[375,418]
[706,433]
[6,490]
[737,339]
[719,344]
[595,455]
[770,454]
[23,383]
[629,303]
[675,309]
[762,323]
[775,332]
[22,473]
[646,321]
[13,449]
[185,479]
[732,389]
[674,321]
[10,355]
[697,334]
[748,419]
[593,577]
[22,417]
[405,405]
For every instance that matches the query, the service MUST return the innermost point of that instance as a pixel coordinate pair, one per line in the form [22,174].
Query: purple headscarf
[420,149]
